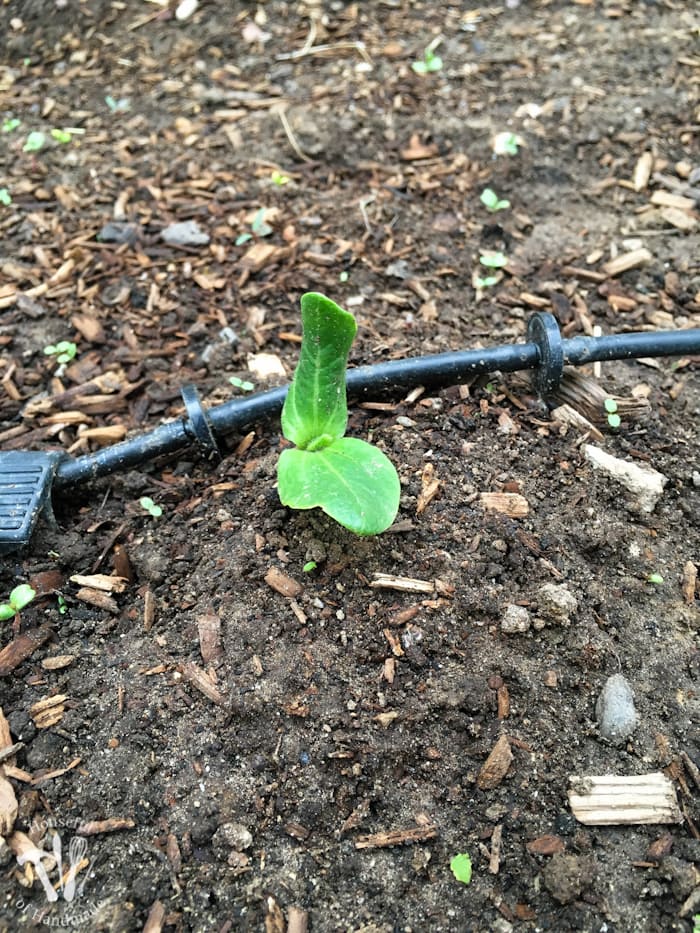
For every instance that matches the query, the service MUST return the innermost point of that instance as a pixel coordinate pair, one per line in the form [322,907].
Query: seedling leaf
[34,142]
[61,136]
[492,202]
[352,481]
[315,410]
[12,123]
[461,866]
[493,260]
[20,597]
[610,405]
[5,197]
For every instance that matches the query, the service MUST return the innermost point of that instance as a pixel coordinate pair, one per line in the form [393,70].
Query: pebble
[615,710]
[566,877]
[645,484]
[187,233]
[234,836]
[556,603]
[515,620]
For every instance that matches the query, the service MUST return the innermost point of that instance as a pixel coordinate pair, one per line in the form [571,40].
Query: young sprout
[241,384]
[118,106]
[611,409]
[61,136]
[344,276]
[461,866]
[493,260]
[34,142]
[655,578]
[5,197]
[506,143]
[149,505]
[12,123]
[309,566]
[20,597]
[279,179]
[352,481]
[259,226]
[492,202]
[62,605]
[64,351]
[429,63]
[486,282]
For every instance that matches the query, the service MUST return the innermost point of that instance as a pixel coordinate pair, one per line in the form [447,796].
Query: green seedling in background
[118,106]
[492,202]
[12,123]
[493,260]
[344,276]
[62,605]
[20,597]
[486,282]
[611,409]
[258,226]
[309,566]
[64,351]
[279,179]
[461,866]
[241,384]
[61,136]
[34,142]
[696,923]
[352,481]
[5,197]
[506,143]
[655,578]
[149,505]
[429,63]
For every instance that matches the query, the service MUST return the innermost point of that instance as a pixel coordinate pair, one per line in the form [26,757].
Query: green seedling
[149,505]
[62,605]
[123,105]
[61,136]
[429,63]
[11,124]
[696,923]
[611,408]
[493,260]
[5,197]
[655,578]
[20,597]
[309,566]
[64,351]
[506,143]
[461,866]
[485,282]
[344,276]
[259,227]
[279,179]
[241,384]
[352,481]
[492,202]
[34,142]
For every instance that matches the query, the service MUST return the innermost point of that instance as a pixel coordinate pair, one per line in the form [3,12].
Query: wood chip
[611,800]
[631,260]
[642,171]
[565,414]
[546,845]
[49,711]
[690,581]
[210,645]
[98,599]
[100,581]
[260,255]
[156,918]
[496,766]
[430,486]
[495,854]
[8,806]
[668,199]
[388,581]
[681,220]
[22,647]
[5,734]
[113,824]
[202,681]
[282,583]
[40,777]
[396,837]
[511,504]
[57,662]
[297,920]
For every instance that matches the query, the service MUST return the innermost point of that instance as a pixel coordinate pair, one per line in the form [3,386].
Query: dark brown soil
[254,746]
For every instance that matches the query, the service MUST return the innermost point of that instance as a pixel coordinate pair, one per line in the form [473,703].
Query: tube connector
[543,331]
[199,424]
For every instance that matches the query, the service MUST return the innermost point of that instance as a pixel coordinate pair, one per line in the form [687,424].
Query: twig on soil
[22,647]
[111,825]
[396,837]
[290,135]
[323,49]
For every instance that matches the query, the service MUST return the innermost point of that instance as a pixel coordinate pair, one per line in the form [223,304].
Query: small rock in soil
[119,233]
[232,836]
[187,233]
[645,484]
[615,710]
[567,876]
[515,620]
[556,603]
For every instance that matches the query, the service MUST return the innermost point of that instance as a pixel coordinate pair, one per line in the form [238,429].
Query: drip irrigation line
[545,352]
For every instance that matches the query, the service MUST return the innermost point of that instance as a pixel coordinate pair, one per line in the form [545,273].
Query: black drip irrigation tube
[545,353]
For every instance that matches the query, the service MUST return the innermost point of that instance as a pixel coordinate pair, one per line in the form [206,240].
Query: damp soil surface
[255,720]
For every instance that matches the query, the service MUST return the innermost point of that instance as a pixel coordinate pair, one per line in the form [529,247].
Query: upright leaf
[315,411]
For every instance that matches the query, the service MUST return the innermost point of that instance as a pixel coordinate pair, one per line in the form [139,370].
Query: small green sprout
[242,384]
[611,408]
[429,63]
[5,197]
[493,260]
[696,923]
[64,351]
[279,179]
[486,282]
[61,136]
[492,202]
[344,276]
[20,597]
[655,578]
[34,142]
[149,505]
[11,124]
[309,566]
[123,105]
[62,606]
[461,866]
[259,227]
[506,143]
[352,481]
